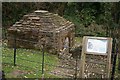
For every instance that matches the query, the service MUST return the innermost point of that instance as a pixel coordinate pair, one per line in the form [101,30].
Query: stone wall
[36,29]
[54,41]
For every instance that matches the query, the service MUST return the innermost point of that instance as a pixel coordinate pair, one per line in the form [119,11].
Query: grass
[78,40]
[29,69]
[33,69]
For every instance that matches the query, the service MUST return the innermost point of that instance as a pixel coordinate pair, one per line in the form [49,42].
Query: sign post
[96,57]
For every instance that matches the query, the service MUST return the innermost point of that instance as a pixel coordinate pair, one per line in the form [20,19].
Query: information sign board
[96,51]
[97,45]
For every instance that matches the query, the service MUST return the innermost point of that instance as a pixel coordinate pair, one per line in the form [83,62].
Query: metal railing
[41,63]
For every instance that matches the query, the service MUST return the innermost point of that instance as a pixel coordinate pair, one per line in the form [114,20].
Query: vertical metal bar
[76,69]
[43,62]
[114,61]
[15,50]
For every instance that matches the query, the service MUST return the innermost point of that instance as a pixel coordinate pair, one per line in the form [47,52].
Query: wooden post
[82,59]
[109,57]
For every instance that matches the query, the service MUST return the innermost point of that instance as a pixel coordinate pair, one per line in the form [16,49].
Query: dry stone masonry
[40,27]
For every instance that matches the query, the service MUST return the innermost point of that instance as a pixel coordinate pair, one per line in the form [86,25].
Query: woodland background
[90,18]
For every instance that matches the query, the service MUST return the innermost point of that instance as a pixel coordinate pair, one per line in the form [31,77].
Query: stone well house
[42,27]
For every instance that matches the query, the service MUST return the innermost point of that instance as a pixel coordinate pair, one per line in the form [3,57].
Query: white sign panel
[97,45]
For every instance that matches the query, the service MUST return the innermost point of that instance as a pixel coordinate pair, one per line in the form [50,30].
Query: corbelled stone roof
[42,20]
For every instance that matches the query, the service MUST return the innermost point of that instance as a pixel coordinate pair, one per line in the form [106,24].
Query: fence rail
[40,63]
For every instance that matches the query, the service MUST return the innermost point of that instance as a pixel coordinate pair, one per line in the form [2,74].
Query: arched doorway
[66,44]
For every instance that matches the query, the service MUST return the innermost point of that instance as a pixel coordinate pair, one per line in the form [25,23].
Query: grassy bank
[28,63]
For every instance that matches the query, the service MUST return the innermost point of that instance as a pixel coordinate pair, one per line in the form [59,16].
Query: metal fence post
[76,69]
[15,50]
[43,62]
[114,60]
[43,51]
